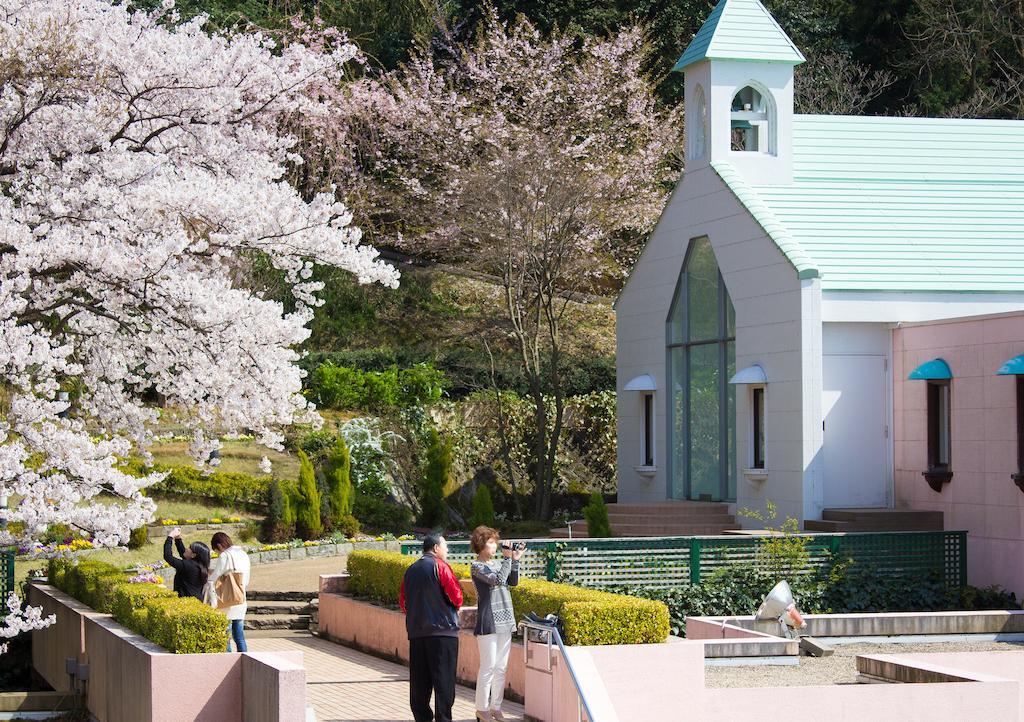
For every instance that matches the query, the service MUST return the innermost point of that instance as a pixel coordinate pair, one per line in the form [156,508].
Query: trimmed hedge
[225,487]
[182,626]
[590,617]
[378,575]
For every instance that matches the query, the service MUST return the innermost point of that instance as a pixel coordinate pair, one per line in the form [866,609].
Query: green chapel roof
[740,30]
[898,204]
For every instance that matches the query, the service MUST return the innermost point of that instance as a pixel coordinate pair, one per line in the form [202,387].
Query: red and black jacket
[430,596]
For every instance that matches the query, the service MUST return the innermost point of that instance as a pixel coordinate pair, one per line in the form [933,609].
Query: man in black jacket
[431,596]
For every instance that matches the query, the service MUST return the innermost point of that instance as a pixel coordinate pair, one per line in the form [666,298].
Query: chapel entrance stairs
[876,520]
[665,518]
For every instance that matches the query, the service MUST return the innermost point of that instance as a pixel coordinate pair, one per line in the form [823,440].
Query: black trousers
[432,664]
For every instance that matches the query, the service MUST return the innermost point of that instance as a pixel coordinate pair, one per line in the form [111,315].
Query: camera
[513,546]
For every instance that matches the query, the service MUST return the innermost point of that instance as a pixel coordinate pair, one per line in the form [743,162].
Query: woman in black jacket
[192,570]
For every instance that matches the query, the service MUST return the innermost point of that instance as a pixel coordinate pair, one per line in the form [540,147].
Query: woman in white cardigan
[231,559]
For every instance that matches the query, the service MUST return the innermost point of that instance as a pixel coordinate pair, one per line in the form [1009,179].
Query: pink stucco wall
[132,679]
[981,498]
[993,695]
[380,630]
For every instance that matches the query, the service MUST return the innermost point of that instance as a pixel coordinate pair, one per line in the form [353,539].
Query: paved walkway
[344,685]
[295,576]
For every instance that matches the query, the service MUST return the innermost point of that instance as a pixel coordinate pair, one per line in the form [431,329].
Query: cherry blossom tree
[142,170]
[541,162]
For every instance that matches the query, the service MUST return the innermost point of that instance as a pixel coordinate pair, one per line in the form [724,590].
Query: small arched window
[699,122]
[752,121]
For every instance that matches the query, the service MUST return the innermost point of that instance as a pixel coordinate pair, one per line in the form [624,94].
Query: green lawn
[237,456]
[180,510]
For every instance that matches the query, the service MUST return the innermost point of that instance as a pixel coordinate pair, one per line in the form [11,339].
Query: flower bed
[180,625]
[590,617]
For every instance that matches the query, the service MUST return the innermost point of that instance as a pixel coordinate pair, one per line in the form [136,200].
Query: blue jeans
[236,631]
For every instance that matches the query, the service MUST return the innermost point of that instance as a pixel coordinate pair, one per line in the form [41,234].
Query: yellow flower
[215,521]
[169,522]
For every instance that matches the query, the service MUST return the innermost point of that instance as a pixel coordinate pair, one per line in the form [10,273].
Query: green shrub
[338,472]
[380,514]
[129,599]
[622,621]
[307,514]
[345,387]
[596,514]
[377,575]
[248,531]
[483,508]
[185,625]
[139,537]
[279,523]
[316,444]
[590,616]
[57,533]
[347,525]
[435,479]
[220,486]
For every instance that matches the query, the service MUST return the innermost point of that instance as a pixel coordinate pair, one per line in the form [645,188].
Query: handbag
[229,588]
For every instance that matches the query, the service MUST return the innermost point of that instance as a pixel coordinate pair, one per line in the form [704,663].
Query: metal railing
[665,562]
[6,572]
[549,633]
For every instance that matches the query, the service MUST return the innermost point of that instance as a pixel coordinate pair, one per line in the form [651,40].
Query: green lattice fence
[6,572]
[680,561]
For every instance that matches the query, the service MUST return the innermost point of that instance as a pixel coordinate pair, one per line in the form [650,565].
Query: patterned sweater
[494,602]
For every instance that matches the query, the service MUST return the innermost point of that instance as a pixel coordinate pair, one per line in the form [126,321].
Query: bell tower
[739,93]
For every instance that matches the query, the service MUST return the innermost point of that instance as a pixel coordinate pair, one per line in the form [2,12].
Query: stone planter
[131,679]
[380,631]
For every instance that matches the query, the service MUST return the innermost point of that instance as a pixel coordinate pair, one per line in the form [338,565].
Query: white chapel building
[760,346]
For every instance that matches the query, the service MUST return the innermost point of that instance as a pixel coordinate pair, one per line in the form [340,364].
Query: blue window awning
[1013,367]
[750,375]
[934,369]
[644,382]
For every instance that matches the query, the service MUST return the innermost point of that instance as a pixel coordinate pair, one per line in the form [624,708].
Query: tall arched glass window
[700,337]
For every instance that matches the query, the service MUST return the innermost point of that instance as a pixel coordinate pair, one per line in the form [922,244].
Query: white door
[855,445]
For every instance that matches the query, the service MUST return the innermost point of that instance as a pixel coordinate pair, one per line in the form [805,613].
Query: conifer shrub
[483,508]
[596,514]
[435,479]
[338,471]
[307,512]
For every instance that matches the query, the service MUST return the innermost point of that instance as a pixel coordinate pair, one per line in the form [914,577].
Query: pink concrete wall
[981,498]
[677,691]
[132,679]
[381,631]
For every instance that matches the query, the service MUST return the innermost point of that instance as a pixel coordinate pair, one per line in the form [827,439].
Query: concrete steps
[667,518]
[273,610]
[875,520]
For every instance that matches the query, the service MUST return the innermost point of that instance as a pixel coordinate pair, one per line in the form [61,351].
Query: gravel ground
[840,668]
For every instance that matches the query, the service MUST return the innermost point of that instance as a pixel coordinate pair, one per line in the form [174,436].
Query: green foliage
[483,508]
[377,575]
[381,515]
[596,514]
[435,478]
[622,621]
[223,487]
[249,531]
[279,524]
[139,537]
[589,616]
[344,387]
[338,472]
[316,444]
[307,513]
[347,525]
[57,533]
[185,626]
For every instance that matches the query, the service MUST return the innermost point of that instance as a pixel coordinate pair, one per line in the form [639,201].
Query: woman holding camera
[495,620]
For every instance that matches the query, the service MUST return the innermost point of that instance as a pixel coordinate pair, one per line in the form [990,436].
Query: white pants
[490,682]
